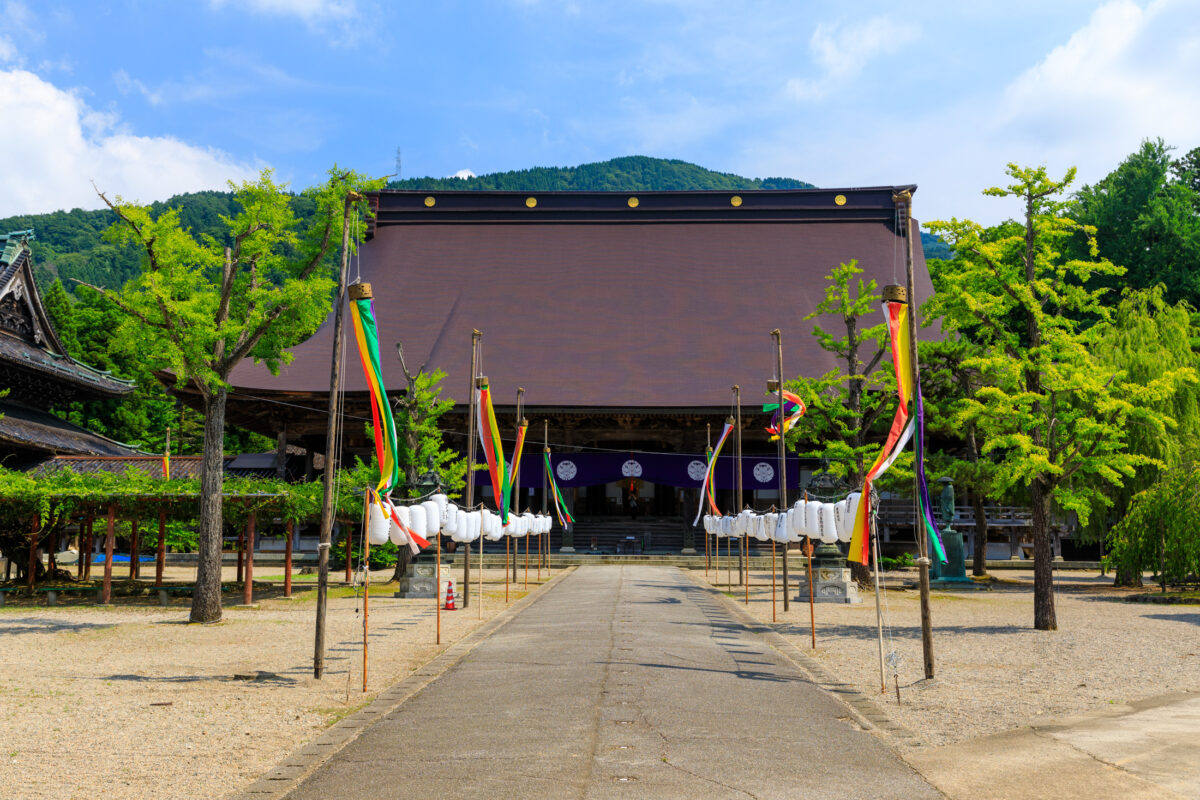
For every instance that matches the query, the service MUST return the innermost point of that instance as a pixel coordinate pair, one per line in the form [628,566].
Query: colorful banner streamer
[707,492]
[560,505]
[362,313]
[793,409]
[512,490]
[493,449]
[898,436]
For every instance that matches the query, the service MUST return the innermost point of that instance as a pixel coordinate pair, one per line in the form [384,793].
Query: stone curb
[865,711]
[279,782]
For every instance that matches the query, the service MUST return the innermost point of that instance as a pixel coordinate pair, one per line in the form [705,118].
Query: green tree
[199,308]
[1159,532]
[1053,416]
[846,404]
[417,412]
[1146,337]
[1147,222]
[62,316]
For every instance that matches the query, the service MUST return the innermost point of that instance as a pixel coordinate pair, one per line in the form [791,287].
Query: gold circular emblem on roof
[430,202]
[530,202]
[632,202]
[840,199]
[735,201]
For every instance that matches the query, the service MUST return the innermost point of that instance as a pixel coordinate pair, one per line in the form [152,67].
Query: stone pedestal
[419,578]
[568,540]
[832,584]
[952,574]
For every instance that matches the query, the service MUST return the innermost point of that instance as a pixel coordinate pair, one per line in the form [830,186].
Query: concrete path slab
[626,682]
[1149,749]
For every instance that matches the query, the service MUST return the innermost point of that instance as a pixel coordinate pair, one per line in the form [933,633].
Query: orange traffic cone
[450,596]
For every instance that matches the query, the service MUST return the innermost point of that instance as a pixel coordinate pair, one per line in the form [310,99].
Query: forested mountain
[627,174]
[70,245]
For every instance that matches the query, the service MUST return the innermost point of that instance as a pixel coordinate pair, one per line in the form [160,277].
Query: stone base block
[831,586]
[419,579]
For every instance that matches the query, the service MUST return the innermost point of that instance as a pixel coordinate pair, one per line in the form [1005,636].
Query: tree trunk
[206,597]
[1124,576]
[403,559]
[979,565]
[1043,562]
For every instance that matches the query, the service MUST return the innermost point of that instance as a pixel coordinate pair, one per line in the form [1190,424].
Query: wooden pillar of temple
[248,588]
[160,555]
[91,545]
[241,553]
[134,548]
[106,591]
[287,560]
[31,568]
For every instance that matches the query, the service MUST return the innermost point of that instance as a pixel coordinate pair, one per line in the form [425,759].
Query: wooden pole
[878,613]
[287,559]
[544,546]
[366,545]
[134,548]
[744,544]
[241,555]
[772,580]
[331,457]
[903,201]
[783,499]
[437,590]
[91,545]
[160,554]
[527,561]
[812,615]
[106,591]
[507,547]
[248,586]
[475,337]
[516,481]
[33,543]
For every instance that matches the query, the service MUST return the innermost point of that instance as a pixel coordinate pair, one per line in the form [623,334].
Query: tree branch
[147,243]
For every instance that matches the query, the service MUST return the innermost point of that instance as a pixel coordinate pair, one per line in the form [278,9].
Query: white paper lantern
[450,520]
[402,513]
[377,526]
[442,501]
[727,527]
[812,522]
[781,528]
[462,525]
[433,518]
[397,536]
[417,515]
[796,522]
[741,522]
[708,526]
[715,525]
[476,520]
[852,504]
[829,533]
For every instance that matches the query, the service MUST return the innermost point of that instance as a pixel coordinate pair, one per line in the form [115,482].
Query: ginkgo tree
[200,306]
[1054,417]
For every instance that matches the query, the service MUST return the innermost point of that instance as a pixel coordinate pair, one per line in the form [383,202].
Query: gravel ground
[81,688]
[995,672]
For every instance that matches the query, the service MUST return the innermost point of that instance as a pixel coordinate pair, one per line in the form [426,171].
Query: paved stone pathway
[628,682]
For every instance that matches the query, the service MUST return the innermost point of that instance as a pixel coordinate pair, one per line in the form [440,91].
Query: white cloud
[56,146]
[127,84]
[1129,73]
[8,51]
[310,11]
[841,53]
[463,174]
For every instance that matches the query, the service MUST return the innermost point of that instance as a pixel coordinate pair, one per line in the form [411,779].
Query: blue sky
[151,98]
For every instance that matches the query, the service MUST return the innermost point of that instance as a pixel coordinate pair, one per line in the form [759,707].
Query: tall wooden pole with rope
[903,201]
[782,455]
[543,546]
[335,411]
[475,337]
[703,489]
[744,545]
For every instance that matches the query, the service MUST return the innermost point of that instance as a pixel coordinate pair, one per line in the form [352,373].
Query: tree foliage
[1055,418]
[202,304]
[846,404]
[1146,215]
[1160,532]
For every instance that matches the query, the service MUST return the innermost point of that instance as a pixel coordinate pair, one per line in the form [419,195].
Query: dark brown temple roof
[27,428]
[36,366]
[590,300]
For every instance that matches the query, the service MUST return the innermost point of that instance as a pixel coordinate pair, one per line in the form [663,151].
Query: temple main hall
[625,317]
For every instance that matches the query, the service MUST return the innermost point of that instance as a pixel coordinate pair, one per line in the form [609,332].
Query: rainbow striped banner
[511,490]
[560,505]
[793,407]
[898,436]
[493,449]
[709,492]
[362,313]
